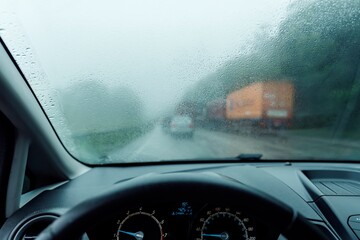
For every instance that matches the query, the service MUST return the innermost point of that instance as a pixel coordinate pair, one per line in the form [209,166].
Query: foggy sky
[159,48]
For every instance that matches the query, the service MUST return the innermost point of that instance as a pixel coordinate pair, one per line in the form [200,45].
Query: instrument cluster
[181,220]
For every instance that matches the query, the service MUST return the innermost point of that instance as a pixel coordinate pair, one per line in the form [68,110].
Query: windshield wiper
[244,157]
[249,157]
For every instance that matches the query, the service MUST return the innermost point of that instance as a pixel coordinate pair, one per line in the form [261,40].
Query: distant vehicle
[182,125]
[265,104]
[215,114]
[165,124]
[215,109]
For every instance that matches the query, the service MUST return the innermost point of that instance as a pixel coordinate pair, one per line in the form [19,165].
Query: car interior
[48,193]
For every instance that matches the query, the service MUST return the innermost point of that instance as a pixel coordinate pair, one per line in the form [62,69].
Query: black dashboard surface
[298,184]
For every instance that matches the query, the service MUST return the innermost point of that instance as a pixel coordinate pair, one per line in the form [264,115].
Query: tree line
[317,47]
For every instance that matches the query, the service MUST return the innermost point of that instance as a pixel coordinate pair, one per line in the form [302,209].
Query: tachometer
[224,224]
[140,225]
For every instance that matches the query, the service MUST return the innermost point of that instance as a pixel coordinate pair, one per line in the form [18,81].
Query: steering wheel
[161,188]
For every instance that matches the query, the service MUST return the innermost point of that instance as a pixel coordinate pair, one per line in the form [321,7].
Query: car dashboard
[326,194]
[180,220]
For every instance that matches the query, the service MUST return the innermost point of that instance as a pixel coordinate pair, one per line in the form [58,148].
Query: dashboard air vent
[32,227]
[337,187]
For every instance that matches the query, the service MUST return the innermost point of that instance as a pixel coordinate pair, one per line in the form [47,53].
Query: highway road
[158,145]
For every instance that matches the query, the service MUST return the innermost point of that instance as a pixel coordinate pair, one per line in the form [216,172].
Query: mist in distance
[158,49]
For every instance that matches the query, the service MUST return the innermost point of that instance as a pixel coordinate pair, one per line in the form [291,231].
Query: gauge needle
[222,236]
[138,235]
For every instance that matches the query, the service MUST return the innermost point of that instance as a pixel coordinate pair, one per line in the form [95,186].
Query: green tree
[317,46]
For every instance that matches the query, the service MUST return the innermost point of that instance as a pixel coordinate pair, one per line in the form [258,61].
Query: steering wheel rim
[161,188]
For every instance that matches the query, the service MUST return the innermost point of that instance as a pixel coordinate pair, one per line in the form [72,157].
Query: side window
[27,184]
[7,142]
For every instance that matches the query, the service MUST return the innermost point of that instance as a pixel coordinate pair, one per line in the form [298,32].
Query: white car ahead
[182,126]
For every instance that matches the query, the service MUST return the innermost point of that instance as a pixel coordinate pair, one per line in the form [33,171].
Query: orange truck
[266,104]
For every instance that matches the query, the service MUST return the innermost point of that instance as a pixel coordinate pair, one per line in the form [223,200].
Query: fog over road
[159,145]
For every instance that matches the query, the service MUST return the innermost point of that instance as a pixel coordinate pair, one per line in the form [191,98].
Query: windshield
[137,81]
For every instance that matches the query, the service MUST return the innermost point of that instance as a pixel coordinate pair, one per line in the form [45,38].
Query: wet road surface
[159,145]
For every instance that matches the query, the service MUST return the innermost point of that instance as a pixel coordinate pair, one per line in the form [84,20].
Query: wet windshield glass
[137,81]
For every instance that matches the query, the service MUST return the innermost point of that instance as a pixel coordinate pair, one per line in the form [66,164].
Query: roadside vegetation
[317,47]
[102,119]
[102,143]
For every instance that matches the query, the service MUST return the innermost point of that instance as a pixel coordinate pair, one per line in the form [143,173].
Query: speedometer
[224,224]
[140,225]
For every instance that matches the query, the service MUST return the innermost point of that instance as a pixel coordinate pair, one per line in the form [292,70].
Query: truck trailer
[266,104]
